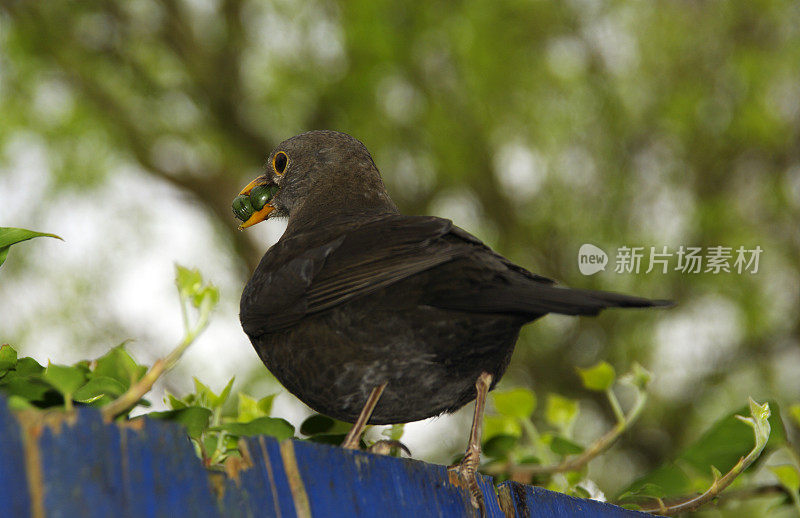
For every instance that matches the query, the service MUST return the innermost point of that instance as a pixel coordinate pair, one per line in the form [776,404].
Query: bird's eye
[279,162]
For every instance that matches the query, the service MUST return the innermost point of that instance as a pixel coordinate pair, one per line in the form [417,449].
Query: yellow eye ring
[279,162]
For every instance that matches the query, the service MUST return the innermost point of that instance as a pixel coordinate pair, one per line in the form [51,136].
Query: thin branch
[137,391]
[761,432]
[579,461]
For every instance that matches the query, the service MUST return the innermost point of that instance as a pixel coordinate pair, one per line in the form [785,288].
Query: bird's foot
[385,447]
[465,474]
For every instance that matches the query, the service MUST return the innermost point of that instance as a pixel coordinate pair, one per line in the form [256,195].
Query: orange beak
[259,215]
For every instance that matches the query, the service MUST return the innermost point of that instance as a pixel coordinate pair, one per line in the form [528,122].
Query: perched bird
[371,316]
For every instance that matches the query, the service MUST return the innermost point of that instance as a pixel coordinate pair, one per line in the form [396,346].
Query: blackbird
[371,316]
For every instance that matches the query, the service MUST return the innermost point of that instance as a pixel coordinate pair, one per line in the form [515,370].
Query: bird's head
[313,175]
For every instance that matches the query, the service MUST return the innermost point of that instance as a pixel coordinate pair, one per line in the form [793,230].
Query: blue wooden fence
[85,468]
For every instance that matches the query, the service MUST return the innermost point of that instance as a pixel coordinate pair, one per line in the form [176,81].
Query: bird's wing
[364,259]
[463,274]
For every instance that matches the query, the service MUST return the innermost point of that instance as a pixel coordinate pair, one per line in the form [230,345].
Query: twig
[136,391]
[761,431]
[593,450]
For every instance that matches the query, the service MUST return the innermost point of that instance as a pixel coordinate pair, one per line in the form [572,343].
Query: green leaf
[640,377]
[721,446]
[247,408]
[530,459]
[28,367]
[250,408]
[97,387]
[175,403]
[561,412]
[64,378]
[8,357]
[189,282]
[32,387]
[208,398]
[317,424]
[501,425]
[19,403]
[794,414]
[190,286]
[272,426]
[518,402]
[320,424]
[265,404]
[194,418]
[564,446]
[203,393]
[395,432]
[788,475]
[759,421]
[599,378]
[500,446]
[118,364]
[223,396]
[11,236]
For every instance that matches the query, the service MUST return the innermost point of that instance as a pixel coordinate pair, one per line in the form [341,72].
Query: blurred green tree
[539,126]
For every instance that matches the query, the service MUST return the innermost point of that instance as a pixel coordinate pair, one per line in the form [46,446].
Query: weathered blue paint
[14,497]
[536,502]
[91,469]
[260,490]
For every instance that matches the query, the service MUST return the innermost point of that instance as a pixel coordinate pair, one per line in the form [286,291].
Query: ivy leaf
[191,287]
[226,392]
[317,424]
[208,398]
[321,424]
[500,446]
[8,357]
[794,414]
[247,408]
[118,364]
[788,476]
[561,412]
[639,377]
[27,366]
[599,377]
[194,418]
[175,403]
[501,425]
[11,236]
[563,446]
[272,426]
[64,378]
[98,387]
[721,446]
[395,432]
[518,402]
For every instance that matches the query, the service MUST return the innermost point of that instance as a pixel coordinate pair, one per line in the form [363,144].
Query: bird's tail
[536,298]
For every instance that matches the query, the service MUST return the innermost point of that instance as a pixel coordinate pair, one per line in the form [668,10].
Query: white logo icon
[591,259]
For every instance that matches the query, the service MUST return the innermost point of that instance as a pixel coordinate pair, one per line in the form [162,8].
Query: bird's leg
[467,469]
[354,435]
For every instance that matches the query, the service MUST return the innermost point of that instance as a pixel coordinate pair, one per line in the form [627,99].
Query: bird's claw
[465,474]
[385,447]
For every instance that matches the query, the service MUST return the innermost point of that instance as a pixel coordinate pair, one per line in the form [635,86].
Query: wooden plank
[353,483]
[537,502]
[260,489]
[55,466]
[14,495]
[162,476]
